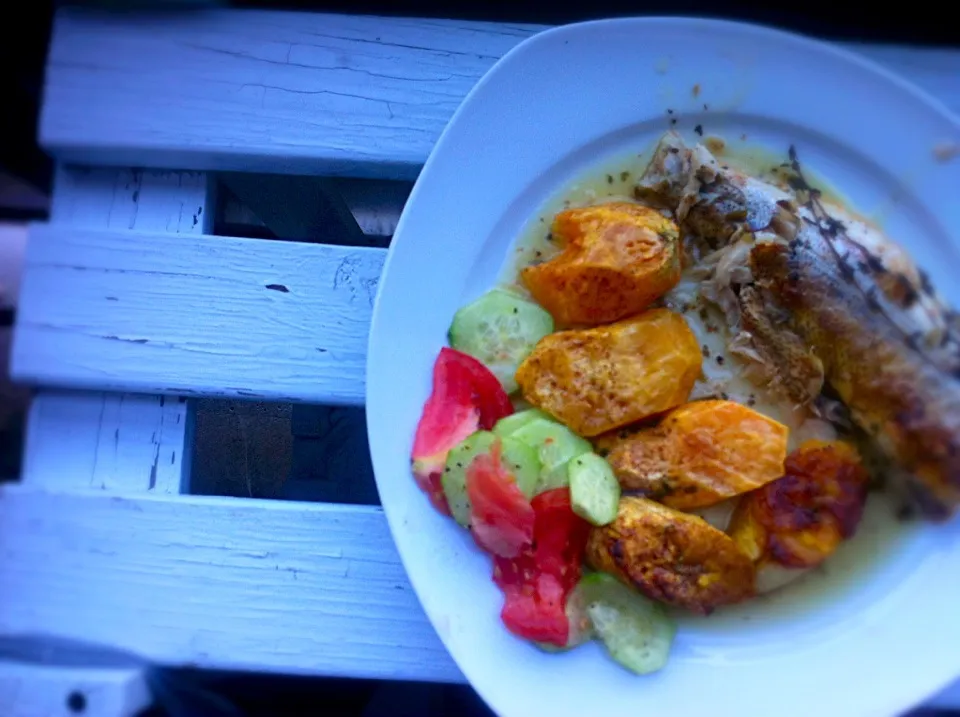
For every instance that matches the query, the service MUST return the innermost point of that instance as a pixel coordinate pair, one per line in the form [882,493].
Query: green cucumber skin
[500,329]
[594,489]
[556,444]
[519,459]
[508,425]
[636,631]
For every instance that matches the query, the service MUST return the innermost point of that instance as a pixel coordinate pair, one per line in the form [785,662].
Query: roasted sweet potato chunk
[595,380]
[673,557]
[799,520]
[617,259]
[700,454]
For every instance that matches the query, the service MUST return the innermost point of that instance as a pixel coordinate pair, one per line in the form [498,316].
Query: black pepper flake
[624,176]
[538,253]
[706,351]
[699,129]
[669,111]
[673,121]
[516,310]
[609,179]
[724,395]
[720,360]
[751,401]
[703,313]
[549,236]
[705,107]
[459,465]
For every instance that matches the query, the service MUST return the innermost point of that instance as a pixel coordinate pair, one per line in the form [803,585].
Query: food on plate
[500,329]
[735,350]
[845,302]
[896,382]
[465,397]
[799,520]
[672,557]
[556,445]
[617,259]
[700,454]
[594,490]
[596,380]
[537,582]
[635,630]
[501,517]
[518,459]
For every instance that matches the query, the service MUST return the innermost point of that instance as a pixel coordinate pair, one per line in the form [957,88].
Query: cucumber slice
[507,425]
[500,329]
[636,631]
[555,444]
[519,459]
[594,489]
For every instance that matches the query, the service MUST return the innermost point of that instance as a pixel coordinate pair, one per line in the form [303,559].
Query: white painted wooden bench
[130,308]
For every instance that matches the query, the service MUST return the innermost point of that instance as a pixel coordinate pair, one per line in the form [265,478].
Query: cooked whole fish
[820,299]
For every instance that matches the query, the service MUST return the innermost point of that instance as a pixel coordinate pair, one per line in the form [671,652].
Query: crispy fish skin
[821,302]
[906,402]
[672,557]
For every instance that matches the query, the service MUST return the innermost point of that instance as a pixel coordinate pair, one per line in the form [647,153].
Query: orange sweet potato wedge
[700,454]
[618,258]
[595,380]
[799,520]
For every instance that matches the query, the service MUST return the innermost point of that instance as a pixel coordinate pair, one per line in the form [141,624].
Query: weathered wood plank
[215,582]
[114,441]
[189,315]
[300,93]
[38,691]
[119,442]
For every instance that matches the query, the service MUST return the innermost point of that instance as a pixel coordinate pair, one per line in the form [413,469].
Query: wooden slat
[195,315]
[115,441]
[215,582]
[37,691]
[301,93]
[119,442]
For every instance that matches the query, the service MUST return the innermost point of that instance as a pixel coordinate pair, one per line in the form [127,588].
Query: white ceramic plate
[555,106]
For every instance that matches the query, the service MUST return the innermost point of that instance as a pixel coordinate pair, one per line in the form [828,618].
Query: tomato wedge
[501,517]
[465,397]
[537,582]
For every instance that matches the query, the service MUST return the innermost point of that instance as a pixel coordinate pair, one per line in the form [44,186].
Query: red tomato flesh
[537,582]
[501,517]
[465,397]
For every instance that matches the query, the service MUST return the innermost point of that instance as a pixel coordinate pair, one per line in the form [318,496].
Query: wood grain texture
[197,315]
[114,441]
[215,582]
[300,93]
[107,441]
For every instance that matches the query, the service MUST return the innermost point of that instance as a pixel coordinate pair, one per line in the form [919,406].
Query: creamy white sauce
[880,529]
